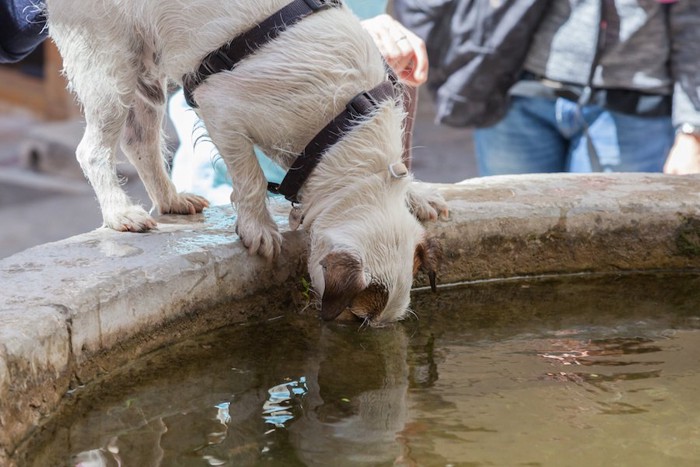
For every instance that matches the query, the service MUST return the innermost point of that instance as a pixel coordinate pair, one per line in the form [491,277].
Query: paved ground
[46,200]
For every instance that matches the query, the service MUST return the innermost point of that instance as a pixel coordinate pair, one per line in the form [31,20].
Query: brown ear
[343,277]
[428,257]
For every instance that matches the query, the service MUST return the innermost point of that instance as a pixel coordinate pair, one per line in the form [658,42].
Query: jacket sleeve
[22,28]
[684,21]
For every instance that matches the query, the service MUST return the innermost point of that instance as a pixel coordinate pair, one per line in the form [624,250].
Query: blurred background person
[605,85]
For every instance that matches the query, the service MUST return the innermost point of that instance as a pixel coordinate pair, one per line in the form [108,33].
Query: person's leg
[525,141]
[196,166]
[625,143]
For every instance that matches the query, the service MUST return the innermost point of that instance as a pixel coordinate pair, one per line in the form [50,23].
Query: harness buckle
[361,104]
[316,5]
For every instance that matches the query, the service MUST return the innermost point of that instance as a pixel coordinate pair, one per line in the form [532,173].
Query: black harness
[359,107]
[227,57]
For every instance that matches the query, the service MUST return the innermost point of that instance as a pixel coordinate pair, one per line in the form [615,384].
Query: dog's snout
[369,304]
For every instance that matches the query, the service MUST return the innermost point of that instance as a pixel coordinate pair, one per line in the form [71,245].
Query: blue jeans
[540,135]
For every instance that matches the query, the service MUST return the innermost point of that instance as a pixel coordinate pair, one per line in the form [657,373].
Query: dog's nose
[347,316]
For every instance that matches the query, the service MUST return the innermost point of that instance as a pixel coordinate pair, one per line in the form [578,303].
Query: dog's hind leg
[142,142]
[103,77]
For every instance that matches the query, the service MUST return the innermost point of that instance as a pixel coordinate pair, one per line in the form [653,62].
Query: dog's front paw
[426,203]
[262,238]
[129,219]
[185,203]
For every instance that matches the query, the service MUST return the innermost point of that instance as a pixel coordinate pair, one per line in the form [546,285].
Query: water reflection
[547,374]
[328,395]
[357,400]
[278,408]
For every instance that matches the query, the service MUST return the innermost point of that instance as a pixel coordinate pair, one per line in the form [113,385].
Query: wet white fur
[278,99]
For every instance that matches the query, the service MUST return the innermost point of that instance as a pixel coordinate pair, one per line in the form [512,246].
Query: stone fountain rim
[74,309]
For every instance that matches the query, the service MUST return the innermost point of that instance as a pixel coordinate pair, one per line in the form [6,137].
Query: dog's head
[367,270]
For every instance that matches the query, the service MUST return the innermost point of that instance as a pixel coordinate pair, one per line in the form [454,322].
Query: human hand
[684,157]
[403,51]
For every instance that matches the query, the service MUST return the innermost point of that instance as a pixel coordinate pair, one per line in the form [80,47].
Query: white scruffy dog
[365,242]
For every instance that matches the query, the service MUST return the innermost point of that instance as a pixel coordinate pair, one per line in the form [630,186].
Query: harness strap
[229,54]
[359,107]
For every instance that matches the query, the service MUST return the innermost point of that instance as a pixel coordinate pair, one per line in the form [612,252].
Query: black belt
[618,100]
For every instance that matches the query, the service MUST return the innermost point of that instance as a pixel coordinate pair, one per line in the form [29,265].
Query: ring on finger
[402,38]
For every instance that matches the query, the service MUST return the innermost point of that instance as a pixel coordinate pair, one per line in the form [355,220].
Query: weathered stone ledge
[73,309]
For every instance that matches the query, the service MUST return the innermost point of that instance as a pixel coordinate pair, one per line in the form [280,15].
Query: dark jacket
[22,28]
[476,49]
[653,48]
[646,46]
